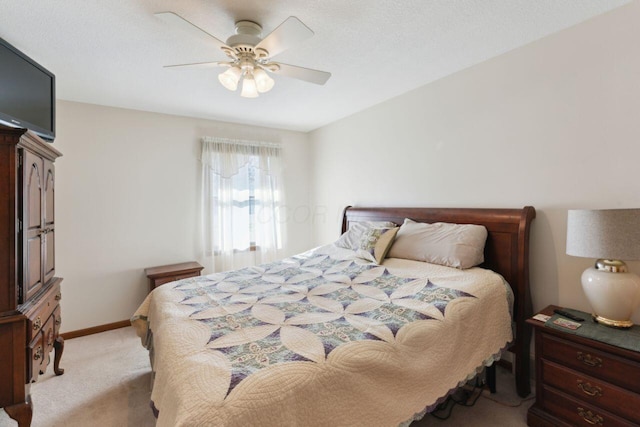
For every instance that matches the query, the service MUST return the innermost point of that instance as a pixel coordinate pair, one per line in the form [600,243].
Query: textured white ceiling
[111,52]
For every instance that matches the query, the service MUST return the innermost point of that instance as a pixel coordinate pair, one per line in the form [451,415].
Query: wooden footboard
[506,253]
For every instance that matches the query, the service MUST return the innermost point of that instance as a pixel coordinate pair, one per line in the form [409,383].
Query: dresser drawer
[593,391]
[592,362]
[57,321]
[42,310]
[48,331]
[35,356]
[39,351]
[578,413]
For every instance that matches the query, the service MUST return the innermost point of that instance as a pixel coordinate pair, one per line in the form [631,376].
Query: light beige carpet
[107,384]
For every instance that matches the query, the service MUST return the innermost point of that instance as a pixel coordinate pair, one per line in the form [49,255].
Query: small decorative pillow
[375,243]
[351,238]
[452,245]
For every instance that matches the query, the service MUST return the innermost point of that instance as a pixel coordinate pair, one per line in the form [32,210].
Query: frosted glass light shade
[229,79]
[264,83]
[249,88]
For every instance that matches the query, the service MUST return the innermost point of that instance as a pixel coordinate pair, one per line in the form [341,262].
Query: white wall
[554,124]
[127,195]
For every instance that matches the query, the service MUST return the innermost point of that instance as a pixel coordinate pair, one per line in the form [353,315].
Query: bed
[327,338]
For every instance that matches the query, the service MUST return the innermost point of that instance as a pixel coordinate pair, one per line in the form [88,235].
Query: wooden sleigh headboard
[506,252]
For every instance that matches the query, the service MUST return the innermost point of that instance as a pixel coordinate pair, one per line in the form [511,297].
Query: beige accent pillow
[375,243]
[453,245]
[350,239]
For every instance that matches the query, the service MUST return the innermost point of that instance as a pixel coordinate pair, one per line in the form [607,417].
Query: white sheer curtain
[241,201]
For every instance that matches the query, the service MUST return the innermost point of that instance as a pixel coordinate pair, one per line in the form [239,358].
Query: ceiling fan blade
[178,21]
[289,33]
[307,74]
[200,65]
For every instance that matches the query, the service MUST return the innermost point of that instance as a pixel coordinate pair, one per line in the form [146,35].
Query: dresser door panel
[33,270]
[32,224]
[49,221]
[49,256]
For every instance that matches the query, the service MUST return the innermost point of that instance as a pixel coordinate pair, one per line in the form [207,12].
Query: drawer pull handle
[589,360]
[590,417]
[589,389]
[58,321]
[38,353]
[58,296]
[37,324]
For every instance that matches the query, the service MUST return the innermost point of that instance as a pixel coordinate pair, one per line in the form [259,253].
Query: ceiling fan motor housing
[247,33]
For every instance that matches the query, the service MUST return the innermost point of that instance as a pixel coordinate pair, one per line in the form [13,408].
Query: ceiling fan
[251,56]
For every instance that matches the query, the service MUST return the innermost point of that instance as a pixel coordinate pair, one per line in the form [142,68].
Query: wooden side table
[170,273]
[583,382]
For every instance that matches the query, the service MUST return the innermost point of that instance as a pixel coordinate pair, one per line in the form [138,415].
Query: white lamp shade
[229,79]
[605,233]
[264,83]
[249,88]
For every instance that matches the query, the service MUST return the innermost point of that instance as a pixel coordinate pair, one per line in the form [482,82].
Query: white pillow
[350,239]
[453,245]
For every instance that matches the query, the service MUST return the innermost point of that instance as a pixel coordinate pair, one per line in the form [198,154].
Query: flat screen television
[27,93]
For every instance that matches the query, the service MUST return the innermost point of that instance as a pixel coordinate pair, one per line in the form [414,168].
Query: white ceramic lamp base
[614,296]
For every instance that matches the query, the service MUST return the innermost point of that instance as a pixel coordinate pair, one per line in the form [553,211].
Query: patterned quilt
[322,338]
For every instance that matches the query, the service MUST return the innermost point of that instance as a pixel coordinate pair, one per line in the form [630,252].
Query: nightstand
[169,273]
[583,382]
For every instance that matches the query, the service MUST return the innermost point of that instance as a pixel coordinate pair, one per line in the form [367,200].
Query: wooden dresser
[29,291]
[583,382]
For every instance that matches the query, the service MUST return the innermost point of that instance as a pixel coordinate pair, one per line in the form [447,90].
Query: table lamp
[611,236]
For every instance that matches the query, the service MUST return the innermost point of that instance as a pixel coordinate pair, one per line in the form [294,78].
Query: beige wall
[127,195]
[554,124]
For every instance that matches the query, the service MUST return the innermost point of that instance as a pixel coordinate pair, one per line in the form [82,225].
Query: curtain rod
[245,142]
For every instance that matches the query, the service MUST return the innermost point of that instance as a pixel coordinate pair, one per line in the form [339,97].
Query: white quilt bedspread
[320,339]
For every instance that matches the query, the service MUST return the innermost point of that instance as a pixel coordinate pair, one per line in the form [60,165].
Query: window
[248,211]
[241,201]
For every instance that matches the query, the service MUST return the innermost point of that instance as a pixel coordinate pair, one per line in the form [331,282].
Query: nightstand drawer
[170,273]
[578,413]
[163,280]
[592,391]
[592,362]
[186,276]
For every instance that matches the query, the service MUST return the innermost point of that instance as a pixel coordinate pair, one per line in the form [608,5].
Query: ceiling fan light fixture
[264,82]
[250,54]
[249,87]
[230,78]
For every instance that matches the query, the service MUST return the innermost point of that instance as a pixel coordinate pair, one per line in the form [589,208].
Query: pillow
[453,245]
[351,238]
[375,243]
